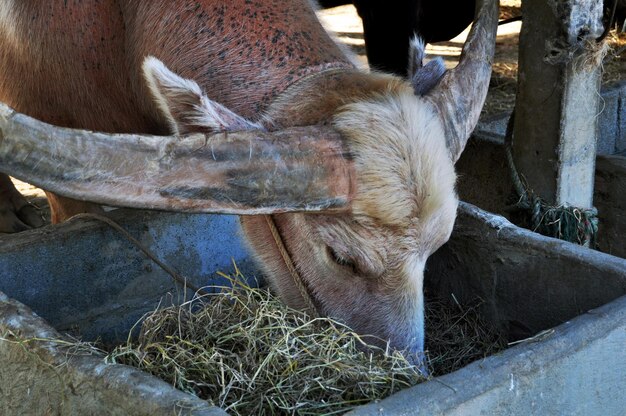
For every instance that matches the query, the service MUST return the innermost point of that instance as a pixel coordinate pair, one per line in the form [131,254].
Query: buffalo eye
[341,260]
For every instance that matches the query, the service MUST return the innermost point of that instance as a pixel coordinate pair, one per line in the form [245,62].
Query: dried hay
[614,65]
[248,353]
[510,9]
[457,335]
[502,89]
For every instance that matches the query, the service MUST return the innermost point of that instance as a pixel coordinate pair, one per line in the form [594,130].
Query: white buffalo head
[360,202]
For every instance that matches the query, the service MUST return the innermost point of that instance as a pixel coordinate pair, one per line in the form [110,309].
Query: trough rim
[446,393]
[145,390]
[523,237]
[437,395]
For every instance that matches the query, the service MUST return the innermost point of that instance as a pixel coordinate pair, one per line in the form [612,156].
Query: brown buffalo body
[225,66]
[78,63]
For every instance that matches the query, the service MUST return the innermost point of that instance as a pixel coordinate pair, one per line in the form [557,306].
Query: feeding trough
[485,177]
[529,284]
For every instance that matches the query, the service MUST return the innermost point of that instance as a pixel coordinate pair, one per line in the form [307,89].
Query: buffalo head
[360,202]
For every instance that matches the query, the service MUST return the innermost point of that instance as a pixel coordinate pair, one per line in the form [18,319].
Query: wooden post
[558,99]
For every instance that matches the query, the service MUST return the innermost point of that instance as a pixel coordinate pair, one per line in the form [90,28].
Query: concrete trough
[530,284]
[485,177]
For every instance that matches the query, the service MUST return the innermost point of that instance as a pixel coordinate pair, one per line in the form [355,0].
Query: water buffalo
[617,8]
[388,26]
[242,85]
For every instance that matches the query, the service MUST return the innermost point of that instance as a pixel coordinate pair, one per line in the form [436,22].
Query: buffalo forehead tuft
[404,169]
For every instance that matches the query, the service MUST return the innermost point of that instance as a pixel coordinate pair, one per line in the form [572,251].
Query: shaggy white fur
[403,165]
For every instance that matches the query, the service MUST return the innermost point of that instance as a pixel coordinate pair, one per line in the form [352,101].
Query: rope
[175,275]
[564,222]
[609,18]
[280,245]
[295,276]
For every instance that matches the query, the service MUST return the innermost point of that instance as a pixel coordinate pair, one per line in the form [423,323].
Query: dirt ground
[344,22]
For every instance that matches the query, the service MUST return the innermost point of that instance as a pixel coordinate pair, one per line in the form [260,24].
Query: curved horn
[251,172]
[460,95]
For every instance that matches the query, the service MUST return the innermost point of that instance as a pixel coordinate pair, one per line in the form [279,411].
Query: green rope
[564,222]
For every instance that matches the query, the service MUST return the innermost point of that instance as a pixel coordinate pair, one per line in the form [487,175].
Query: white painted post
[558,99]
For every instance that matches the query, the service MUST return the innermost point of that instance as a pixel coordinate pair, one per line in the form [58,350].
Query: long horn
[460,95]
[252,172]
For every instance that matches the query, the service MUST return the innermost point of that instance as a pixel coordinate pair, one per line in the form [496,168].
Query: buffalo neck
[243,53]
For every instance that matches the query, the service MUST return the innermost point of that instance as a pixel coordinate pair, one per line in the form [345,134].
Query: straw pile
[614,67]
[456,335]
[248,353]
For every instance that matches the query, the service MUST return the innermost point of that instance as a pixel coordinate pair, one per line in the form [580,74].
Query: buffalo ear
[423,77]
[185,105]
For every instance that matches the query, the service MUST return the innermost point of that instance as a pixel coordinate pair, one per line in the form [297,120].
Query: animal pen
[561,305]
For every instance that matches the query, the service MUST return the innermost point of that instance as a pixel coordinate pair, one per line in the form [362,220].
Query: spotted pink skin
[77,63]
[254,49]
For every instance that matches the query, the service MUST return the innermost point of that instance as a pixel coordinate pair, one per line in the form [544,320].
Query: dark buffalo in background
[620,13]
[388,26]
